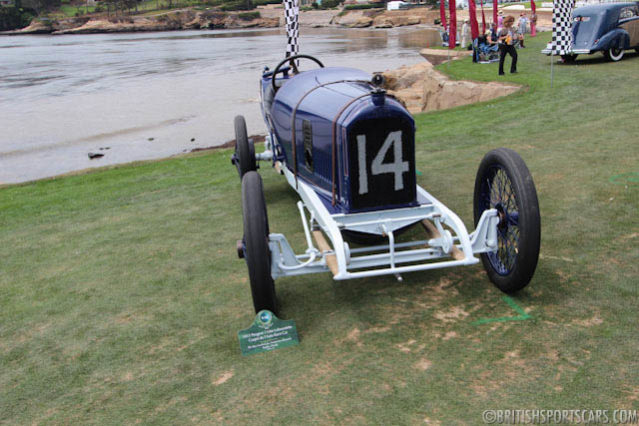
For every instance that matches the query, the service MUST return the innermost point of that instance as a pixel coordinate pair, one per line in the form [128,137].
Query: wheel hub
[503,217]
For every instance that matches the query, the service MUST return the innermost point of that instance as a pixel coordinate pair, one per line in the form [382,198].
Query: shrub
[214,14]
[363,6]
[237,5]
[12,18]
[249,16]
[264,2]
[329,4]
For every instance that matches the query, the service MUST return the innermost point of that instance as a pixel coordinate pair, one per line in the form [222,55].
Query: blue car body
[315,119]
[605,28]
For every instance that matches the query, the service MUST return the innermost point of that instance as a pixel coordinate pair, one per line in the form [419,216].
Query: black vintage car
[608,28]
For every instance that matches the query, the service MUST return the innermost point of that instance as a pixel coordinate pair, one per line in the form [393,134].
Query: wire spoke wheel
[504,183]
[501,197]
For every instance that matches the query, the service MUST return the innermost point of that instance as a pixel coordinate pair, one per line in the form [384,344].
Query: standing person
[500,20]
[444,34]
[523,21]
[493,31]
[521,24]
[507,37]
[491,38]
[465,35]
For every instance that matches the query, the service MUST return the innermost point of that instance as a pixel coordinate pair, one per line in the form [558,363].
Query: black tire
[569,59]
[257,253]
[613,54]
[637,49]
[244,149]
[504,182]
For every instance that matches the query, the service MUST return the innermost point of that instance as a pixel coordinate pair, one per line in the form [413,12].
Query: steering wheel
[291,60]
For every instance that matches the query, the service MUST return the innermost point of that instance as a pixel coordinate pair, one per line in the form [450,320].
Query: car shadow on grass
[598,58]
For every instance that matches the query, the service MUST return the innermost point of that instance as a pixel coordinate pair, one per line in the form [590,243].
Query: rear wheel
[504,183]
[569,58]
[257,252]
[614,54]
[244,149]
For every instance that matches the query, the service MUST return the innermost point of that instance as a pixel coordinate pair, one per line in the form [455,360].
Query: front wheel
[257,253]
[244,149]
[504,183]
[614,54]
[569,59]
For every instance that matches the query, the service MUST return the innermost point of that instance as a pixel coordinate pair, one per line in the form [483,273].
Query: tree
[41,6]
[12,18]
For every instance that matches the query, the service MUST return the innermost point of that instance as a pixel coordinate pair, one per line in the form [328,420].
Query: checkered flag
[292,13]
[562,27]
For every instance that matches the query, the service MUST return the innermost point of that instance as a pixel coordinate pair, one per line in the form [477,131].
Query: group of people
[503,36]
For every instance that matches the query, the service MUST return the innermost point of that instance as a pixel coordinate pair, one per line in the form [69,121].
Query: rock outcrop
[422,88]
[178,20]
[438,56]
[384,18]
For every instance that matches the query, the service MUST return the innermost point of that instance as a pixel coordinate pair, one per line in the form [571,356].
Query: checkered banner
[562,26]
[292,13]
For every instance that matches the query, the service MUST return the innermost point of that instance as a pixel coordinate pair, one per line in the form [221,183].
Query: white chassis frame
[442,250]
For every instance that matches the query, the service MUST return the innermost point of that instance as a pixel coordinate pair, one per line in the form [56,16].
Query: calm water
[147,95]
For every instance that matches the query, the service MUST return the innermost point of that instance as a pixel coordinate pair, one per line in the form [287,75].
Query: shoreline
[261,18]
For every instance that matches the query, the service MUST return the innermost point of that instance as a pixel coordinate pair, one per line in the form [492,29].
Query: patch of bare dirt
[562,258]
[453,314]
[405,347]
[590,322]
[449,335]
[353,336]
[423,364]
[631,398]
[378,329]
[223,378]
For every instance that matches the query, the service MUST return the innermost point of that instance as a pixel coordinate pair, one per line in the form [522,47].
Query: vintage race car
[348,149]
[609,28]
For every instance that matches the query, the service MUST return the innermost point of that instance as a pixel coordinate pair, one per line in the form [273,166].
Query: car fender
[618,38]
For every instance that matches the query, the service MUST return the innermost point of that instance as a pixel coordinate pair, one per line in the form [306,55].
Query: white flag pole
[552,61]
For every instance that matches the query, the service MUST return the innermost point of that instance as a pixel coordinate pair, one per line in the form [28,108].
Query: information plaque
[267,333]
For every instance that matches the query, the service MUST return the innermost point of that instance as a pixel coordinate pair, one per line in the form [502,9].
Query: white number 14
[378,167]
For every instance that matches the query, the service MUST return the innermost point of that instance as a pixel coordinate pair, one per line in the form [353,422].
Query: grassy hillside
[121,293]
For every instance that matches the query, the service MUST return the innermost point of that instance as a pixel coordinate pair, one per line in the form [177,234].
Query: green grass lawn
[69,11]
[121,293]
[144,7]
